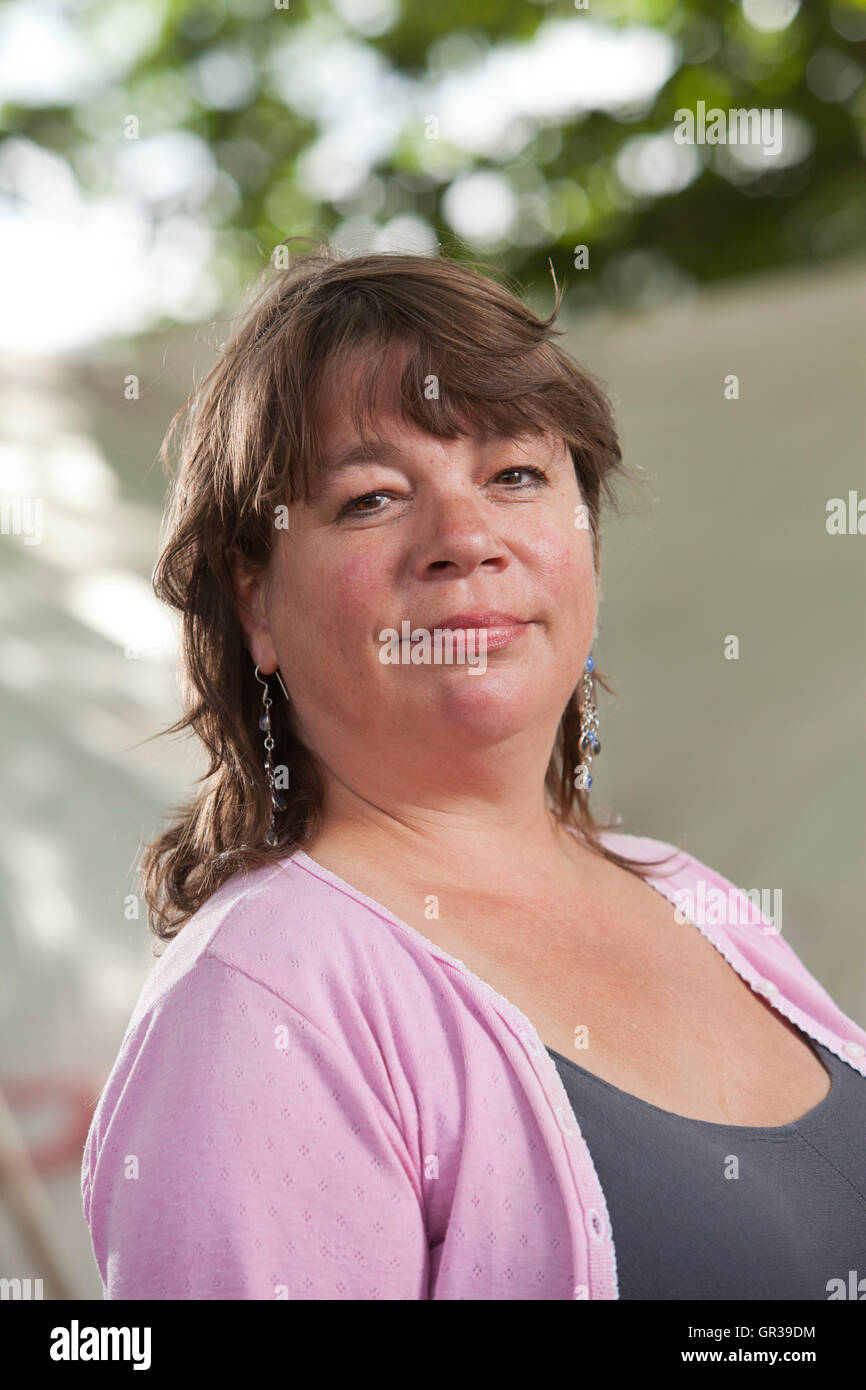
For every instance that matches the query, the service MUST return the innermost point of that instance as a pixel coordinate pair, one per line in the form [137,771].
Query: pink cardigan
[313,1101]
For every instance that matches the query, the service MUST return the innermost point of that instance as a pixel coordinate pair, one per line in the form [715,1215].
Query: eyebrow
[362,452]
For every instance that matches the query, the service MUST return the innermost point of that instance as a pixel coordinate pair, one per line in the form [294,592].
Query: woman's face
[431,530]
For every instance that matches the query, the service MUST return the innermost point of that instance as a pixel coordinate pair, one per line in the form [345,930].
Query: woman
[425,1028]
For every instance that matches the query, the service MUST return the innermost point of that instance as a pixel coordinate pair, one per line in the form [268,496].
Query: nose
[455,536]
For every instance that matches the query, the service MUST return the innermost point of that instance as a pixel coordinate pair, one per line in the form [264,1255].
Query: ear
[250,593]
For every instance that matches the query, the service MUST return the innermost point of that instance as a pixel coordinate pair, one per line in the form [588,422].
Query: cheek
[563,563]
[355,584]
[357,578]
[336,598]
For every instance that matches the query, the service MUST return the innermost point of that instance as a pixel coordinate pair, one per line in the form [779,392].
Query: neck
[458,836]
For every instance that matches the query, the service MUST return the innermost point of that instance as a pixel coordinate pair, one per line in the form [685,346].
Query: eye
[350,508]
[537,473]
[354,508]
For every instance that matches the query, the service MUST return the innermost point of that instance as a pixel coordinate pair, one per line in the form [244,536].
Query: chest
[646,1003]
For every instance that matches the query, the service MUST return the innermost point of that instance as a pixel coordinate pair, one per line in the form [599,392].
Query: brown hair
[251,443]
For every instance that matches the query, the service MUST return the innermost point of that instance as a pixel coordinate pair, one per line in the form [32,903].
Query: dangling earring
[277,802]
[588,738]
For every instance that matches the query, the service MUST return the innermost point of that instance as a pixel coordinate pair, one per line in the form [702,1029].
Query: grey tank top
[792,1220]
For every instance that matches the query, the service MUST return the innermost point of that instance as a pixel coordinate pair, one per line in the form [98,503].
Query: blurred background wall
[151,159]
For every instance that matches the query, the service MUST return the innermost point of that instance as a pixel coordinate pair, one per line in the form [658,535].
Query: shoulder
[685,878]
[703,893]
[645,849]
[676,862]
[297,933]
[746,923]
[275,958]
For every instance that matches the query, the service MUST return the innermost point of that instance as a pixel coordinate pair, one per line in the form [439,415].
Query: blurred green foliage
[728,221]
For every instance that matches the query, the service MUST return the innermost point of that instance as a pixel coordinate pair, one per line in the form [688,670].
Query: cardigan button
[769,987]
[581,1291]
[853,1049]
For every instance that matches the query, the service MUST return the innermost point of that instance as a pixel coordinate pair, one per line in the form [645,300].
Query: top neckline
[817,1114]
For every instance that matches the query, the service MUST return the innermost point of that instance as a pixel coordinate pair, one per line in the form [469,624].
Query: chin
[483,708]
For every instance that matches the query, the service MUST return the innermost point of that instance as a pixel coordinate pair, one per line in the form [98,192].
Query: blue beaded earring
[588,739]
[278,802]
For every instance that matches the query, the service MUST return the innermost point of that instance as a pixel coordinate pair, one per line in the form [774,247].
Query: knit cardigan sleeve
[245,1156]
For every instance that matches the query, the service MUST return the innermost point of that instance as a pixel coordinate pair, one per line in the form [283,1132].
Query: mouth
[494,630]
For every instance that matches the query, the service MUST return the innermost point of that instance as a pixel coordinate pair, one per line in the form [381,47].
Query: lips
[499,629]
[471,620]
